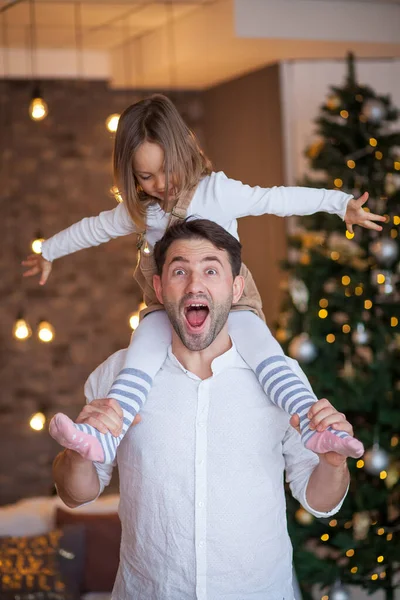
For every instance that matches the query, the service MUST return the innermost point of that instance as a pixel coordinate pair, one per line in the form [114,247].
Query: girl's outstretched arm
[240,200]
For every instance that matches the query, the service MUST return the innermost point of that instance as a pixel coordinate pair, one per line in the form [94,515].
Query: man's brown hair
[195,229]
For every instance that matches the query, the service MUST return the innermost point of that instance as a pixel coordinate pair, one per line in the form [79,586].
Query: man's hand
[37,264]
[105,415]
[356,215]
[322,415]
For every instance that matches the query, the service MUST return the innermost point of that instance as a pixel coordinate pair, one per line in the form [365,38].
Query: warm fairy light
[380,531]
[396,220]
[394,321]
[281,335]
[325,537]
[116,193]
[349,235]
[323,313]
[359,97]
[338,182]
[324,597]
[378,155]
[348,525]
[45,332]
[374,577]
[37,421]
[335,255]
[383,474]
[354,570]
[389,537]
[358,290]
[112,122]
[362,118]
[373,142]
[394,233]
[38,109]
[360,464]
[367,304]
[380,559]
[380,278]
[333,523]
[146,249]
[134,320]
[346,328]
[347,292]
[351,164]
[142,306]
[350,553]
[394,441]
[305,258]
[396,165]
[323,303]
[346,280]
[37,245]
[330,338]
[383,575]
[21,330]
[344,114]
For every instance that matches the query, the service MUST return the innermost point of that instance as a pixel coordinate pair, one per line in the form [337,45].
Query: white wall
[304,87]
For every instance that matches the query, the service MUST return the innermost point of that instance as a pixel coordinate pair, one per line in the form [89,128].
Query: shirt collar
[228,360]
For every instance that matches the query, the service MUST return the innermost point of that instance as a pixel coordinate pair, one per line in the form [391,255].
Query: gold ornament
[315,148]
[333,102]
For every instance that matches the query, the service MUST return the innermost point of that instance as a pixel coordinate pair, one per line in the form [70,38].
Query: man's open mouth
[196,314]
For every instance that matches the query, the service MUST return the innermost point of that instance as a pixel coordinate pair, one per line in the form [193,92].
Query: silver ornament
[301,348]
[360,335]
[376,460]
[374,110]
[339,592]
[299,294]
[386,251]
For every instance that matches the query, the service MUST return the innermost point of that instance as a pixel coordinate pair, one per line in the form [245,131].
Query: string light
[374,576]
[396,165]
[380,559]
[358,290]
[323,313]
[323,303]
[112,122]
[378,155]
[134,320]
[354,570]
[344,114]
[380,531]
[338,182]
[330,338]
[394,233]
[380,278]
[383,475]
[394,321]
[21,329]
[333,523]
[367,304]
[347,292]
[37,245]
[349,235]
[383,575]
[37,421]
[360,464]
[38,109]
[348,525]
[325,537]
[359,97]
[394,441]
[346,280]
[396,220]
[373,142]
[389,537]
[146,249]
[335,255]
[346,328]
[351,164]
[45,332]
[350,553]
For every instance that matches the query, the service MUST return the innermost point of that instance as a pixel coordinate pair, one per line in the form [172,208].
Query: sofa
[49,551]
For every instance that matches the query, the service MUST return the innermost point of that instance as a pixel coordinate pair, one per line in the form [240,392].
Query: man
[201,478]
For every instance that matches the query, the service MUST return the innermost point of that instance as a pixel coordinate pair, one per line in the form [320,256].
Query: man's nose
[195,284]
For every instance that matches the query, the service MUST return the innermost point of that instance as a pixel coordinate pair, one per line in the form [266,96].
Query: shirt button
[200,462]
[201,544]
[201,423]
[201,504]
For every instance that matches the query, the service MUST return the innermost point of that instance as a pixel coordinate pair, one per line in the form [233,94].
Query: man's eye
[211,272]
[179,272]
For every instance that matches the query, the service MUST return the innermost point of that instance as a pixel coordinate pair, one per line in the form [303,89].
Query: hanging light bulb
[37,243]
[21,329]
[134,320]
[146,248]
[37,421]
[38,109]
[45,332]
[112,122]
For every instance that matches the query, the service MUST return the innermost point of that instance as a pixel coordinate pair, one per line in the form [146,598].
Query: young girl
[163,176]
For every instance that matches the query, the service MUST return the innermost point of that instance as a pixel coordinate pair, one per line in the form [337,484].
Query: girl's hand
[355,215]
[37,264]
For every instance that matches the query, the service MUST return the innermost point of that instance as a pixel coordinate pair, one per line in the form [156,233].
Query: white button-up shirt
[202,503]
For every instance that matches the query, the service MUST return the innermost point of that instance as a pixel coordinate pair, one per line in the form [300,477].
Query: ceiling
[187,44]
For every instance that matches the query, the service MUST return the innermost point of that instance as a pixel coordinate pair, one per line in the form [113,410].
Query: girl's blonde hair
[155,119]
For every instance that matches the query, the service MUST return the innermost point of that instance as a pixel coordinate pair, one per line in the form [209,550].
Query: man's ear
[158,288]
[238,287]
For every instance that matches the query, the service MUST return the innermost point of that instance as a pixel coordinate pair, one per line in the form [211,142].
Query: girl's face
[148,167]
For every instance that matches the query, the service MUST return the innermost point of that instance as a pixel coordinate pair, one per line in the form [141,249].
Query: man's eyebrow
[205,259]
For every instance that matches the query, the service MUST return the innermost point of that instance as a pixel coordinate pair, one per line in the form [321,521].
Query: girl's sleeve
[91,231]
[241,200]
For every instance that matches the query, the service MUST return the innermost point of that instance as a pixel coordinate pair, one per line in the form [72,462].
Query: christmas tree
[340,319]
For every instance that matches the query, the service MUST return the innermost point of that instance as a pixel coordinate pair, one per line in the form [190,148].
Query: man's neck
[199,362]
